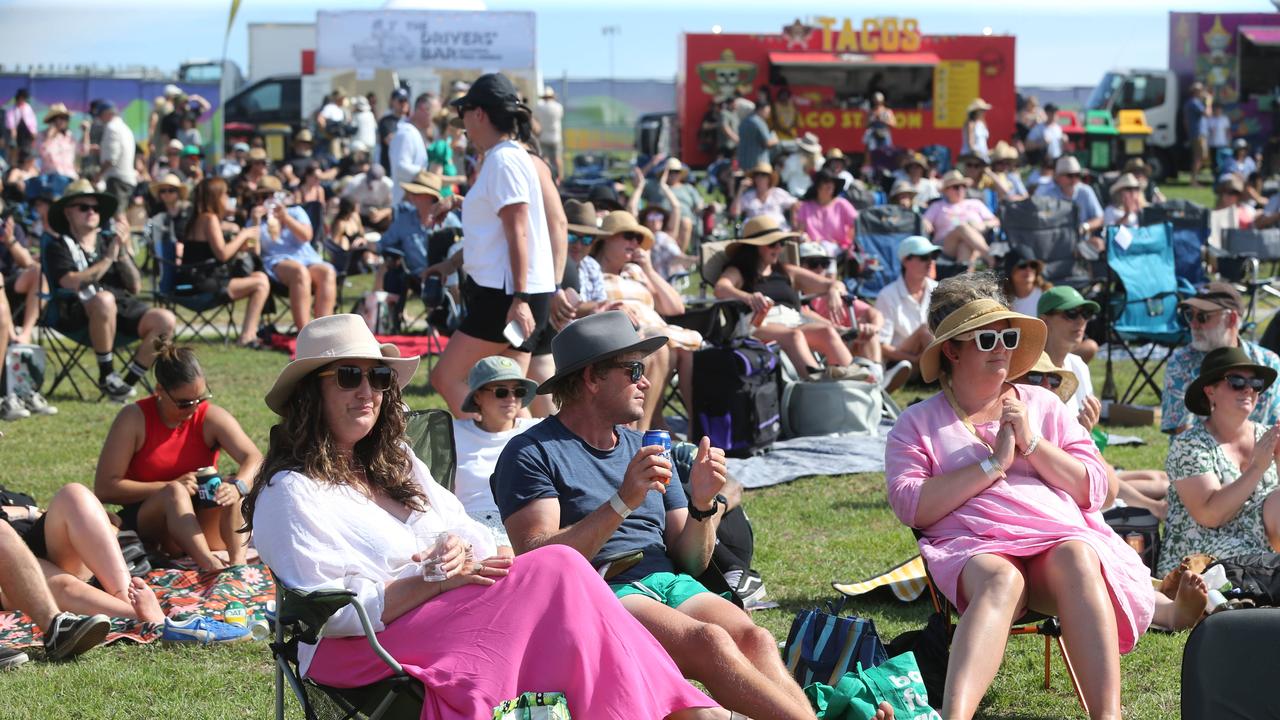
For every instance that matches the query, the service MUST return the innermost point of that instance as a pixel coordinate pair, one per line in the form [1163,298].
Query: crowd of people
[563,356]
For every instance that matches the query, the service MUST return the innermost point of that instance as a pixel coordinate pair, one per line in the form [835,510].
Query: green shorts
[667,588]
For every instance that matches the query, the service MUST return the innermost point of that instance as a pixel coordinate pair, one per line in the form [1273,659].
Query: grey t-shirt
[549,461]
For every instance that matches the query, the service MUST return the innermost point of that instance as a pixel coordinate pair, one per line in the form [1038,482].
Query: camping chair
[430,436]
[1142,309]
[1244,250]
[1031,623]
[207,310]
[1051,229]
[861,198]
[1190,223]
[880,230]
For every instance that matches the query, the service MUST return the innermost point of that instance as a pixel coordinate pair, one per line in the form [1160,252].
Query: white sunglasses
[986,339]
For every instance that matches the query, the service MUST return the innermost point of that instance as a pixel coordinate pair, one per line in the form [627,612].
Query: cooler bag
[827,407]
[736,398]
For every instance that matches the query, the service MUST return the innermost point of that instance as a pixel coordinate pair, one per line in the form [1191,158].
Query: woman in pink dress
[342,503]
[1007,490]
[826,217]
[959,222]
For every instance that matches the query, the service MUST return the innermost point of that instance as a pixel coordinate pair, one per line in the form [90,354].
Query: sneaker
[73,635]
[852,371]
[896,376]
[751,592]
[37,405]
[203,631]
[11,658]
[11,409]
[114,388]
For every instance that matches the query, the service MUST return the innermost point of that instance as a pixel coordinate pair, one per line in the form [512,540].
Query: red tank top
[168,452]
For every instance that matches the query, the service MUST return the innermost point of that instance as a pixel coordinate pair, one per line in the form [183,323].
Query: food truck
[833,66]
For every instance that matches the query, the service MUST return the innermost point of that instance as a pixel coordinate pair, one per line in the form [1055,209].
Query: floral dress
[1196,452]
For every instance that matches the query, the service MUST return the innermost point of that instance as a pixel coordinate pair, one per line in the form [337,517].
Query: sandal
[254,344]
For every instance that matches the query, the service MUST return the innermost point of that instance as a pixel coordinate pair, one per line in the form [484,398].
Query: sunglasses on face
[1200,317]
[1039,378]
[168,191]
[86,209]
[583,239]
[637,237]
[1240,382]
[816,264]
[349,377]
[635,369]
[1077,313]
[986,339]
[502,392]
[188,404]
[931,257]
[1025,265]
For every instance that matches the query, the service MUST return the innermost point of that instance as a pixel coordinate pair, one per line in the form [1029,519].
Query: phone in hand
[514,334]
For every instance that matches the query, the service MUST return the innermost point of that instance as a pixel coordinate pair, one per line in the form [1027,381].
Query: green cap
[192,150]
[493,369]
[1063,298]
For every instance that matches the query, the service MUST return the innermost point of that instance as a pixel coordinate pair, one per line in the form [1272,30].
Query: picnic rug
[180,592]
[409,345]
[907,581]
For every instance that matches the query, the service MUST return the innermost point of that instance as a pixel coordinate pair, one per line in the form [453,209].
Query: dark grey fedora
[592,339]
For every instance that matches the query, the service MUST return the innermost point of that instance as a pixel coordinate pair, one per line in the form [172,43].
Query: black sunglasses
[633,236]
[349,376]
[1024,264]
[1240,382]
[1038,378]
[1077,313]
[635,368]
[1199,316]
[85,208]
[188,404]
[502,392]
[931,257]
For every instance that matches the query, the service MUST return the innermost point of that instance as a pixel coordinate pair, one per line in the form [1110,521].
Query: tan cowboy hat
[169,180]
[915,159]
[1003,151]
[955,177]
[80,189]
[582,218]
[978,104]
[424,183]
[1127,181]
[1070,382]
[257,155]
[621,221]
[328,339]
[761,168]
[901,187]
[304,135]
[975,315]
[1067,165]
[55,111]
[759,231]
[836,154]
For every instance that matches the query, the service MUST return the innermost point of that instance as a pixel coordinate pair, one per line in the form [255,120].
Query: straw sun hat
[978,314]
[1070,382]
[760,230]
[621,221]
[329,339]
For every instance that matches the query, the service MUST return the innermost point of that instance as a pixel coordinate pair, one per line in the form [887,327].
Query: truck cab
[1156,93]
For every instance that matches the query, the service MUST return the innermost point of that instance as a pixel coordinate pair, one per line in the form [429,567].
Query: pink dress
[831,224]
[1019,516]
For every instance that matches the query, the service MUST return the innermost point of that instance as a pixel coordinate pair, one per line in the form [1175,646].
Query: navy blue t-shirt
[549,461]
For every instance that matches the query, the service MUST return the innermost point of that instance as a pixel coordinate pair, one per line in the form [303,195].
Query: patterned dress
[630,287]
[1196,452]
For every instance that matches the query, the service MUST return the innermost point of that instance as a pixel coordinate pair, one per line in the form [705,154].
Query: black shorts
[72,317]
[542,343]
[487,313]
[129,516]
[33,536]
[211,281]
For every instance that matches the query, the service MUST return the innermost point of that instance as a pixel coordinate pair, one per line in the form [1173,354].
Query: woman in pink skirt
[342,503]
[1007,490]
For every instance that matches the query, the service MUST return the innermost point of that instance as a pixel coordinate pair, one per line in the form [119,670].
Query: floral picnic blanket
[180,592]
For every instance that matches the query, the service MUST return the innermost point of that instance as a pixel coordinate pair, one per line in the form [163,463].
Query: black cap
[489,91]
[400,94]
[1050,108]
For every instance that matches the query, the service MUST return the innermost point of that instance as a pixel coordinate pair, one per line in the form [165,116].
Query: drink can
[207,482]
[1136,541]
[662,439]
[259,629]
[236,614]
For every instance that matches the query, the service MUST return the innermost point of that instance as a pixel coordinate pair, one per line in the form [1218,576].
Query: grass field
[808,533]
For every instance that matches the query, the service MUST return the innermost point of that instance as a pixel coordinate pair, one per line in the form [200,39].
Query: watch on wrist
[521,296]
[701,515]
[242,487]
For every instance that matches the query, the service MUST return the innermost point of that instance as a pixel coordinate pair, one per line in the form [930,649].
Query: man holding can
[582,478]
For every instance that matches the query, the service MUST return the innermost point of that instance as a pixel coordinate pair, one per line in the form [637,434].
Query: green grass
[809,533]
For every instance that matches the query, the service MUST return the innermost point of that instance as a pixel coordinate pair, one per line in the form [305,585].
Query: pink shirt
[58,155]
[831,224]
[1018,516]
[946,216]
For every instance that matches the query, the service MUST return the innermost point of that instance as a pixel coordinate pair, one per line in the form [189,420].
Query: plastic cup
[431,544]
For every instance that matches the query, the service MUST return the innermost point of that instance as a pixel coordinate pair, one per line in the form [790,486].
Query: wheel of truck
[1160,164]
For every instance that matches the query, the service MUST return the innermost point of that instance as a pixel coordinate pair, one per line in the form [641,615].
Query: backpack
[1253,577]
[827,407]
[1140,529]
[24,369]
[736,398]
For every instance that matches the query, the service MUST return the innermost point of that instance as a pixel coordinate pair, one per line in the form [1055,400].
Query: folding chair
[430,436]
[880,230]
[1141,302]
[861,198]
[1190,223]
[207,310]
[1051,229]
[1240,261]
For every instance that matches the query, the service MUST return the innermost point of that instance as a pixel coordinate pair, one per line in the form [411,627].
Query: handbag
[26,367]
[858,693]
[823,646]
[534,706]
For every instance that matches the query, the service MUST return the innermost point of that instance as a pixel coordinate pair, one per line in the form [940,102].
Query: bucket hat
[582,218]
[1067,389]
[494,369]
[424,183]
[979,313]
[1214,367]
[81,188]
[592,339]
[328,339]
[1063,297]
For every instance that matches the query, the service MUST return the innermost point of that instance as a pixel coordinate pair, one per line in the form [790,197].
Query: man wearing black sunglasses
[1213,315]
[581,478]
[1066,314]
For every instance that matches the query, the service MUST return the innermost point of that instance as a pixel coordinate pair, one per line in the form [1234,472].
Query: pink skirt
[551,625]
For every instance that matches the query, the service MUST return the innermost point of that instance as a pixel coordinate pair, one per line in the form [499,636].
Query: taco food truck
[832,68]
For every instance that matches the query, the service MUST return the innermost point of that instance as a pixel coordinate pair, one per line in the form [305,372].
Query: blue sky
[1056,46]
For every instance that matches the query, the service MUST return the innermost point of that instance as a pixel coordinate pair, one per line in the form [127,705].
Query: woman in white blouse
[341,503]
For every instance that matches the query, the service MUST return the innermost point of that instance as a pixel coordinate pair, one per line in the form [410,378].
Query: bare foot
[1189,604]
[143,599]
[214,564]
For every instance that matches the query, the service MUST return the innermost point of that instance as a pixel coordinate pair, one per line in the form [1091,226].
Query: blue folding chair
[1142,302]
[1190,223]
[880,230]
[208,311]
[939,157]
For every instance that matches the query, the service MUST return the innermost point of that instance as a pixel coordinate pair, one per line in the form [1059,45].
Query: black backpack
[736,396]
[1140,529]
[1253,577]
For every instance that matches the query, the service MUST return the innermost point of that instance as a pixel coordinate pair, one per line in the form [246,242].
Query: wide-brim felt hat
[582,218]
[1070,382]
[424,183]
[825,176]
[1214,367]
[978,314]
[594,338]
[168,181]
[496,368]
[759,231]
[81,188]
[621,221]
[329,339]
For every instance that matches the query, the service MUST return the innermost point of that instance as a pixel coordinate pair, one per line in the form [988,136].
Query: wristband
[1031,446]
[991,467]
[620,507]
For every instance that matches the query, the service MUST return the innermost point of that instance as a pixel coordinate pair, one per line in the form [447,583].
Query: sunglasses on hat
[1039,378]
[986,339]
[349,377]
[1240,382]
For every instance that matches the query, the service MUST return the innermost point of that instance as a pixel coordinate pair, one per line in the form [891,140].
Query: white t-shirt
[506,177]
[1077,365]
[549,114]
[902,314]
[1217,130]
[478,452]
[1027,305]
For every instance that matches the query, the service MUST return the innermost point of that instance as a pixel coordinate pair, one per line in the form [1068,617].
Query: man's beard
[1209,338]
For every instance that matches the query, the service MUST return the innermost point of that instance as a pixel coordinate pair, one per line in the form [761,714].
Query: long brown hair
[210,195]
[303,443]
